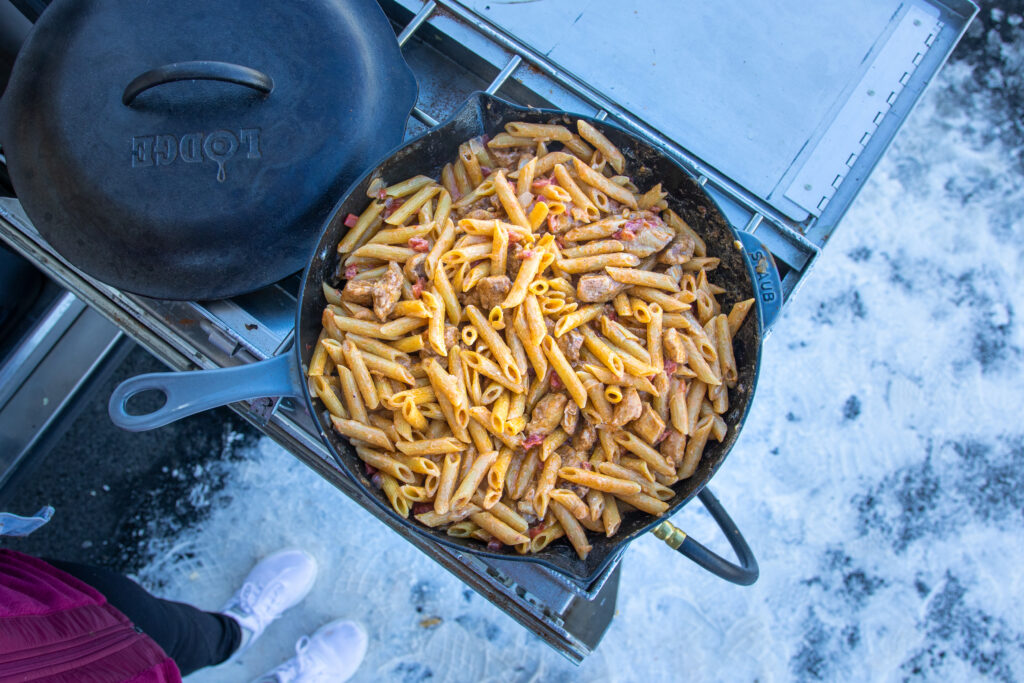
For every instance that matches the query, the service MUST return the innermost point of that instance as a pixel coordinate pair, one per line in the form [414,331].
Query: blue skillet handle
[766,279]
[193,392]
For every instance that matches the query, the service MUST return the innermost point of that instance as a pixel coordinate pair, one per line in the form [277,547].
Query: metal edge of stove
[569,618]
[951,20]
[44,374]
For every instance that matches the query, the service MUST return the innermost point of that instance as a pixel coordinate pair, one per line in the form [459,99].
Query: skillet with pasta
[528,346]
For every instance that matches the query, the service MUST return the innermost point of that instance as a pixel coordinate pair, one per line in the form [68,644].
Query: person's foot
[276,583]
[331,655]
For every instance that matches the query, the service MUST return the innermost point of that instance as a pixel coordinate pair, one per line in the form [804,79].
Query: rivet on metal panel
[416,22]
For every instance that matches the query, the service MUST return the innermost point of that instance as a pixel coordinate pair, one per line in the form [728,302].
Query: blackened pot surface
[484,114]
[199,189]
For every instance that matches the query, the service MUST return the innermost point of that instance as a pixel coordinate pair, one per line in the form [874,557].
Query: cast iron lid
[192,150]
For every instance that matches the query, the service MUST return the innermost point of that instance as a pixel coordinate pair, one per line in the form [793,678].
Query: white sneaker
[331,655]
[276,583]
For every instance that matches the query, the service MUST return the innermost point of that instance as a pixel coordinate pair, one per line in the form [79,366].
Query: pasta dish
[529,346]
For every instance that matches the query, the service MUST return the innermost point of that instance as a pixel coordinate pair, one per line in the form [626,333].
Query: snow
[879,478]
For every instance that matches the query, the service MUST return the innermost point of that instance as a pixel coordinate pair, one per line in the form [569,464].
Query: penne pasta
[462,303]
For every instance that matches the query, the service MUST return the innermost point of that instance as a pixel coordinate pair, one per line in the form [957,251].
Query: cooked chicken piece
[593,288]
[585,438]
[649,425]
[570,344]
[514,260]
[471,298]
[680,251]
[358,291]
[451,338]
[480,215]
[578,489]
[628,409]
[492,291]
[570,458]
[506,158]
[387,291]
[570,417]
[414,268]
[673,448]
[650,235]
[525,504]
[546,414]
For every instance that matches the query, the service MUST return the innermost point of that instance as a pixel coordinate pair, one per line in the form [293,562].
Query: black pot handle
[206,71]
[744,573]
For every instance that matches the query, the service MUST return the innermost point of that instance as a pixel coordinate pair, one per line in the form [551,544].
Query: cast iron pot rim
[481,98]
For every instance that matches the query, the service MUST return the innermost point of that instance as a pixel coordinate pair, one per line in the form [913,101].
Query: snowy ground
[879,479]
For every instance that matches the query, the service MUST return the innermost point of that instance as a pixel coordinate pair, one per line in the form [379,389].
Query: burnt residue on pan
[484,114]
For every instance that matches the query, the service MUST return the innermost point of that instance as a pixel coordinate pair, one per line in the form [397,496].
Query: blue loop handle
[189,393]
[765,275]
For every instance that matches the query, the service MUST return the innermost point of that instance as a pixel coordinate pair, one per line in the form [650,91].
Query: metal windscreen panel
[750,88]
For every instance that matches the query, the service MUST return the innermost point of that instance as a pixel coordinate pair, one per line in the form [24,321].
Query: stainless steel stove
[788,177]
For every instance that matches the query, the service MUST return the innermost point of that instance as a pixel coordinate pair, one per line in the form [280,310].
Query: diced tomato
[670,366]
[586,465]
[495,545]
[624,233]
[370,469]
[514,237]
[538,183]
[532,440]
[419,244]
[556,382]
[661,437]
[351,272]
[560,242]
[417,288]
[420,508]
[351,220]
[392,205]
[534,530]
[381,194]
[485,170]
[524,254]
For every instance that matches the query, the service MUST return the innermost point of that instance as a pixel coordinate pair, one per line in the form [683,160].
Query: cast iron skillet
[740,268]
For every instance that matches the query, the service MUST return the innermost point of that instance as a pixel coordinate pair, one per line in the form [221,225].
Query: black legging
[189,636]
